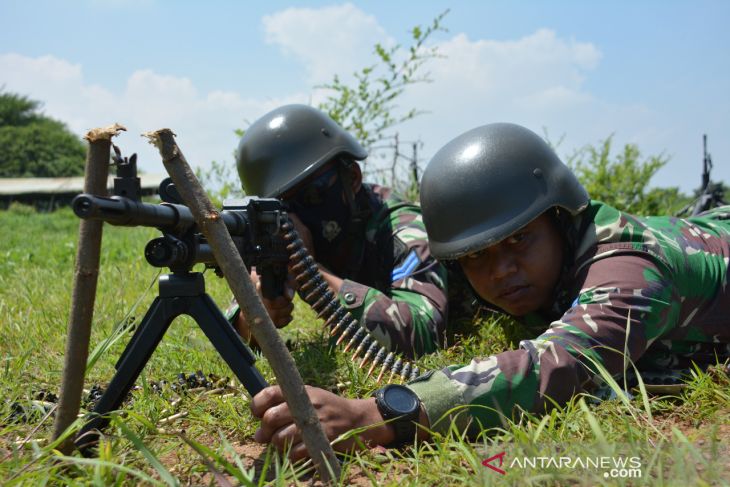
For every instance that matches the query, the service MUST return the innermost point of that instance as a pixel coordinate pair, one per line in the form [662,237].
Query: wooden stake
[86,274]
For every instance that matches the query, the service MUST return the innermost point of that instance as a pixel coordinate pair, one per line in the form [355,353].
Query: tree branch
[86,274]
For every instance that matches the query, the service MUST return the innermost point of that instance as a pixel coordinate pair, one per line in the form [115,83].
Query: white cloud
[478,81]
[537,81]
[16,67]
[204,122]
[337,39]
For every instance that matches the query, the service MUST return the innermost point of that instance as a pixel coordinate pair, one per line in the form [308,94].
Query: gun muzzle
[122,211]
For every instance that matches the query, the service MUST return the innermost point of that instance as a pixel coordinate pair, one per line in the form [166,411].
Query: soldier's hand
[336,414]
[279,309]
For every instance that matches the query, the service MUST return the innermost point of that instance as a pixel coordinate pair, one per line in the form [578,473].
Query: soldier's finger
[282,320]
[284,300]
[285,307]
[298,452]
[279,311]
[265,399]
[273,419]
[289,434]
[291,284]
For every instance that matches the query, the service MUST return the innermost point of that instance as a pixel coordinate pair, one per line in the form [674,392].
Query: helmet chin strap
[572,228]
[359,213]
[345,173]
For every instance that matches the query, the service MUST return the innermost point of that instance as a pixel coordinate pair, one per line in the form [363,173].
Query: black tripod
[180,293]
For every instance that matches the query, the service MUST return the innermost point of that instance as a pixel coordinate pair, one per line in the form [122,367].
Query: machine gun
[255,225]
[711,195]
[266,240]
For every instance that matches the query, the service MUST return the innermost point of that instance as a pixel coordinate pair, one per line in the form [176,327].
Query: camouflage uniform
[397,289]
[654,286]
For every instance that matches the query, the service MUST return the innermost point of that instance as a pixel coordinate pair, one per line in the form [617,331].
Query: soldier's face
[519,273]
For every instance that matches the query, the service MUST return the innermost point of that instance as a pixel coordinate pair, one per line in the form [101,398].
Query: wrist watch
[399,402]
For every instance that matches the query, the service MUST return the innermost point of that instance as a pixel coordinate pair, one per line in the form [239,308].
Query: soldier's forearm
[334,282]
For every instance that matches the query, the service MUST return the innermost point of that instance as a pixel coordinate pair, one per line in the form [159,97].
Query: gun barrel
[169,217]
[122,211]
[253,224]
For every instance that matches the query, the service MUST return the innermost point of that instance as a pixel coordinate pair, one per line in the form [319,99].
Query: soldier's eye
[475,255]
[516,238]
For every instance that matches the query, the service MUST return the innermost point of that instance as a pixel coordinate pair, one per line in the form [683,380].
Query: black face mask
[323,210]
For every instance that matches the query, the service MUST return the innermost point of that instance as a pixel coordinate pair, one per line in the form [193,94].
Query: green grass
[679,440]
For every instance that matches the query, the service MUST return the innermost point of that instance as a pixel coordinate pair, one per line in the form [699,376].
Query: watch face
[400,399]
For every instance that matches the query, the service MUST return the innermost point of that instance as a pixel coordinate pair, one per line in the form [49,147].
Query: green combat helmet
[288,144]
[489,182]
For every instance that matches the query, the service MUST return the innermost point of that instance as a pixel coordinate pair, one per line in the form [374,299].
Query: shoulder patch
[406,267]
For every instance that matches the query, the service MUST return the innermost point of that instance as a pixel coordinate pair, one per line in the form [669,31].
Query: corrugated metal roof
[20,186]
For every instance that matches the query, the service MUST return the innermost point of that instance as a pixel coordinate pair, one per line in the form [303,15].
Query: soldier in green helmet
[370,244]
[607,288]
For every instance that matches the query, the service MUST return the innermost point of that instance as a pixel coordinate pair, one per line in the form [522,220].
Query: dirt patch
[251,451]
[185,464]
[711,440]
[695,432]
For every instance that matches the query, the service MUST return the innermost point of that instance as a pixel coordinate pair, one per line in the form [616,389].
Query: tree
[623,181]
[368,108]
[34,145]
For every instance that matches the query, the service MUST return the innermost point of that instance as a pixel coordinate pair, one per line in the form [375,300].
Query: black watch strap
[403,420]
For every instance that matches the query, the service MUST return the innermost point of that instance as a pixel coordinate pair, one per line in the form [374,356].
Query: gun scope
[171,252]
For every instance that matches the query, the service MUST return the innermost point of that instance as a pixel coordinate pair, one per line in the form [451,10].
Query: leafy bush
[623,180]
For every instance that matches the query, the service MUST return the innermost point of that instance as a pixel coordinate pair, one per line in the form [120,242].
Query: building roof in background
[21,186]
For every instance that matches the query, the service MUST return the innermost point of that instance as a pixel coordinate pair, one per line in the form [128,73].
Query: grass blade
[165,474]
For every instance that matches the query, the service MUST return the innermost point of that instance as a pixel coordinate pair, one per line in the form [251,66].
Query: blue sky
[655,73]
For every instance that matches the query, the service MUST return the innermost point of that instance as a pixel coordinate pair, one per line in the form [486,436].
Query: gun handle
[273,281]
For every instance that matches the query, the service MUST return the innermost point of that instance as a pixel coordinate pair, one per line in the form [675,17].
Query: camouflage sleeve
[232,311]
[625,302]
[410,316]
